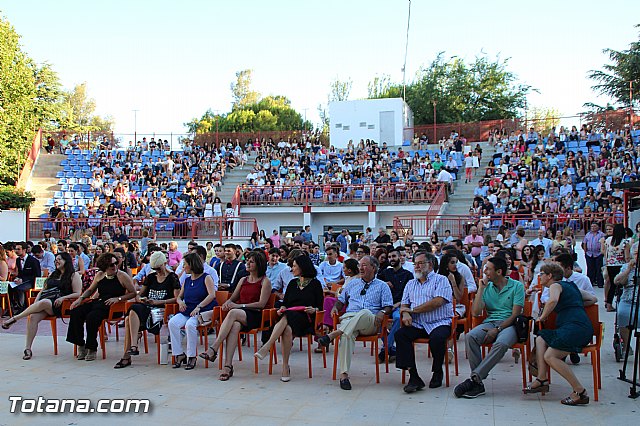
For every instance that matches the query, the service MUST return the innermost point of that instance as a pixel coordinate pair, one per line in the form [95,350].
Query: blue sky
[172,60]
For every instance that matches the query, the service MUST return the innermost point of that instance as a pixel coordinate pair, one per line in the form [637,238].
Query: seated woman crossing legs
[304,291]
[244,310]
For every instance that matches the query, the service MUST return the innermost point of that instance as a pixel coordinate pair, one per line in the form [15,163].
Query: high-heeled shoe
[8,323]
[210,358]
[260,355]
[180,359]
[544,387]
[191,363]
[286,378]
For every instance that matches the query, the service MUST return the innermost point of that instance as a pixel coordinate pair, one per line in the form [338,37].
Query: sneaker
[436,380]
[392,356]
[91,355]
[469,389]
[415,384]
[82,353]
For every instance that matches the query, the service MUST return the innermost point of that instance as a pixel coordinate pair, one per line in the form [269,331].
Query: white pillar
[373,221]
[306,220]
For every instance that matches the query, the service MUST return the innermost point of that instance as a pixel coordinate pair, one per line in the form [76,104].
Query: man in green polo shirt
[502,298]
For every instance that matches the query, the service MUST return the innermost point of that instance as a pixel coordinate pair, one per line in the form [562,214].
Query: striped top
[417,293]
[378,295]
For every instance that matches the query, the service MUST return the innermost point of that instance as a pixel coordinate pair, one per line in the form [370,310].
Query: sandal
[533,368]
[133,351]
[583,399]
[544,387]
[179,360]
[124,362]
[210,358]
[27,354]
[191,363]
[224,376]
[8,323]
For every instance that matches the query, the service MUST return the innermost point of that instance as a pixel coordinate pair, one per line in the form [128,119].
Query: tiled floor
[197,397]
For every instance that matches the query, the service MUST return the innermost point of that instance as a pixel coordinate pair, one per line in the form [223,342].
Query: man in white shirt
[580,280]
[446,177]
[542,241]
[331,269]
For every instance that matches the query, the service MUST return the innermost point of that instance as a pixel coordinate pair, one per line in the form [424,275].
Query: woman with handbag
[160,288]
[113,286]
[63,283]
[198,295]
[572,333]
[302,300]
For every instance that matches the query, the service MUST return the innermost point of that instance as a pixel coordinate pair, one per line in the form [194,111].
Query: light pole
[135,127]
[435,137]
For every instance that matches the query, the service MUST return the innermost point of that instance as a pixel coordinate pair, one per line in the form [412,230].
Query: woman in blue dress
[572,333]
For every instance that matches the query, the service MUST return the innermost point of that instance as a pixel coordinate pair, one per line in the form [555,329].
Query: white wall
[355,120]
[13,225]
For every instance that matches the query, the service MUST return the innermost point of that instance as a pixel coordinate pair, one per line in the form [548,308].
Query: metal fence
[334,194]
[425,225]
[211,229]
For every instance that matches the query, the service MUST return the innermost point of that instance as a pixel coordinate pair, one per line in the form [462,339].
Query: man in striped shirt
[426,312]
[368,300]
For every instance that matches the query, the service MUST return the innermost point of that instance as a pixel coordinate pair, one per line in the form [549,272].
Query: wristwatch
[119,299]
[499,329]
[244,306]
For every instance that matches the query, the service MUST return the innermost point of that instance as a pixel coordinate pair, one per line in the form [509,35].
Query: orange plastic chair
[265,324]
[203,329]
[452,337]
[317,327]
[592,348]
[525,351]
[53,320]
[116,315]
[373,339]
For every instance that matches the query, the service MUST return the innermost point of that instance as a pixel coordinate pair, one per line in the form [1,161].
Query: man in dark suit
[28,270]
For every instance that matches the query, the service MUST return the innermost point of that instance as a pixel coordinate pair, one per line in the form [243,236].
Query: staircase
[462,199]
[234,178]
[43,182]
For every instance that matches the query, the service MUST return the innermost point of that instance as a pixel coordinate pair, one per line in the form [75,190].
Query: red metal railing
[321,194]
[424,225]
[216,229]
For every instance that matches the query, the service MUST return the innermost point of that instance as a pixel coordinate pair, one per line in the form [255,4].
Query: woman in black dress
[49,303]
[160,288]
[302,300]
[113,286]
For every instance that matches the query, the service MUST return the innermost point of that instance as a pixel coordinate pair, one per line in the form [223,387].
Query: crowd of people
[302,170]
[361,282]
[566,173]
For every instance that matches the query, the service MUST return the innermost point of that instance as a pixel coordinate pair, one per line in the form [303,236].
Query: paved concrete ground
[197,397]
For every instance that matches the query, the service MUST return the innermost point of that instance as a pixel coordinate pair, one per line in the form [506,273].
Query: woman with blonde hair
[572,333]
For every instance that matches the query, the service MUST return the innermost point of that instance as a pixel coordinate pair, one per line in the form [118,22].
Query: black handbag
[521,325]
[50,293]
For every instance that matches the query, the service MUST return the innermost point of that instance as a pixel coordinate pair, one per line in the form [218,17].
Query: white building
[382,120]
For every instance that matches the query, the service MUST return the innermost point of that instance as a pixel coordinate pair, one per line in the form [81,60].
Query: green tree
[243,95]
[17,108]
[543,119]
[482,90]
[379,87]
[340,90]
[618,78]
[49,98]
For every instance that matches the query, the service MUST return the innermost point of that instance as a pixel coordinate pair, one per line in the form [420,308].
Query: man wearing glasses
[368,300]
[426,312]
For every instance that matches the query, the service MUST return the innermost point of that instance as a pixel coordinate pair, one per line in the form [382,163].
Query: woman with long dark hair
[244,309]
[49,301]
[303,298]
[616,250]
